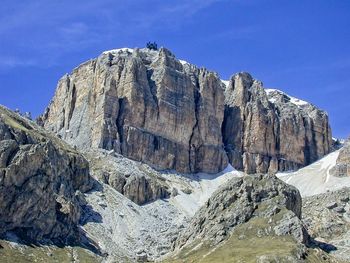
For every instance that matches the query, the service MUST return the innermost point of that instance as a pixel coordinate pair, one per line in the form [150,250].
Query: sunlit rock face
[267,130]
[151,107]
[145,105]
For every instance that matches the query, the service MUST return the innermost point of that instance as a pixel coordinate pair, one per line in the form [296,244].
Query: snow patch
[183,62]
[201,185]
[119,50]
[226,82]
[123,229]
[316,178]
[295,101]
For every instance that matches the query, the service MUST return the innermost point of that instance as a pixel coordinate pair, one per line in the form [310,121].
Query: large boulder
[41,179]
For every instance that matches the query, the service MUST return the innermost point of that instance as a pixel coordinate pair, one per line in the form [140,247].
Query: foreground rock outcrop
[41,179]
[241,200]
[249,219]
[327,218]
[153,108]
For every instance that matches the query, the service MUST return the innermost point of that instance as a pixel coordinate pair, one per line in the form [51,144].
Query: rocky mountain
[141,157]
[237,202]
[151,107]
[41,181]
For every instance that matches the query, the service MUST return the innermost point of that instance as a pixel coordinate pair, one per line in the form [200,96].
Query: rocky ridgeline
[41,180]
[151,107]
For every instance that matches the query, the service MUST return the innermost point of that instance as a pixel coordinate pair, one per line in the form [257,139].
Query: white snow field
[316,178]
[293,100]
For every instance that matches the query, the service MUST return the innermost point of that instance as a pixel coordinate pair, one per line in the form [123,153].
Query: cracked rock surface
[40,180]
[151,107]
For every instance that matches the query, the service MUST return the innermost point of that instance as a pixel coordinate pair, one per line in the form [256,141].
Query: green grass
[44,254]
[245,246]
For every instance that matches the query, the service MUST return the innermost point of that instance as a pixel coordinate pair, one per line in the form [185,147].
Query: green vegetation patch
[44,254]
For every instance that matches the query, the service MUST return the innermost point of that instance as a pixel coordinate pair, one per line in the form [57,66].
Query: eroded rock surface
[145,105]
[327,219]
[268,131]
[151,107]
[40,179]
[136,181]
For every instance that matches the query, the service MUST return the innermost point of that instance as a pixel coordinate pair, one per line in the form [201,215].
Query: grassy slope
[245,245]
[44,254]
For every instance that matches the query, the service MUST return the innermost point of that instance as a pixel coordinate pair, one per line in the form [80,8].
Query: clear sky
[299,46]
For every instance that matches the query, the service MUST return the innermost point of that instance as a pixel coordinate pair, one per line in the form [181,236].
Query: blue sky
[300,47]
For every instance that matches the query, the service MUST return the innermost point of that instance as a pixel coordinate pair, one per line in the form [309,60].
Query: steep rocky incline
[151,107]
[40,181]
[342,167]
[249,219]
[136,181]
[271,130]
[240,200]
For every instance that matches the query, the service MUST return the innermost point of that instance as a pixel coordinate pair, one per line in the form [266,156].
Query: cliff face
[267,130]
[40,180]
[145,105]
[151,107]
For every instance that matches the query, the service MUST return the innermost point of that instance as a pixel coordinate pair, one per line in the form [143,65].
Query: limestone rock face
[151,107]
[342,167]
[40,180]
[267,130]
[136,181]
[241,200]
[145,105]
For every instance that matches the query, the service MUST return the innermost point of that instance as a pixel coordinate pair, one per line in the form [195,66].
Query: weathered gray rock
[267,130]
[241,200]
[40,180]
[150,107]
[136,181]
[145,105]
[342,168]
[327,219]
